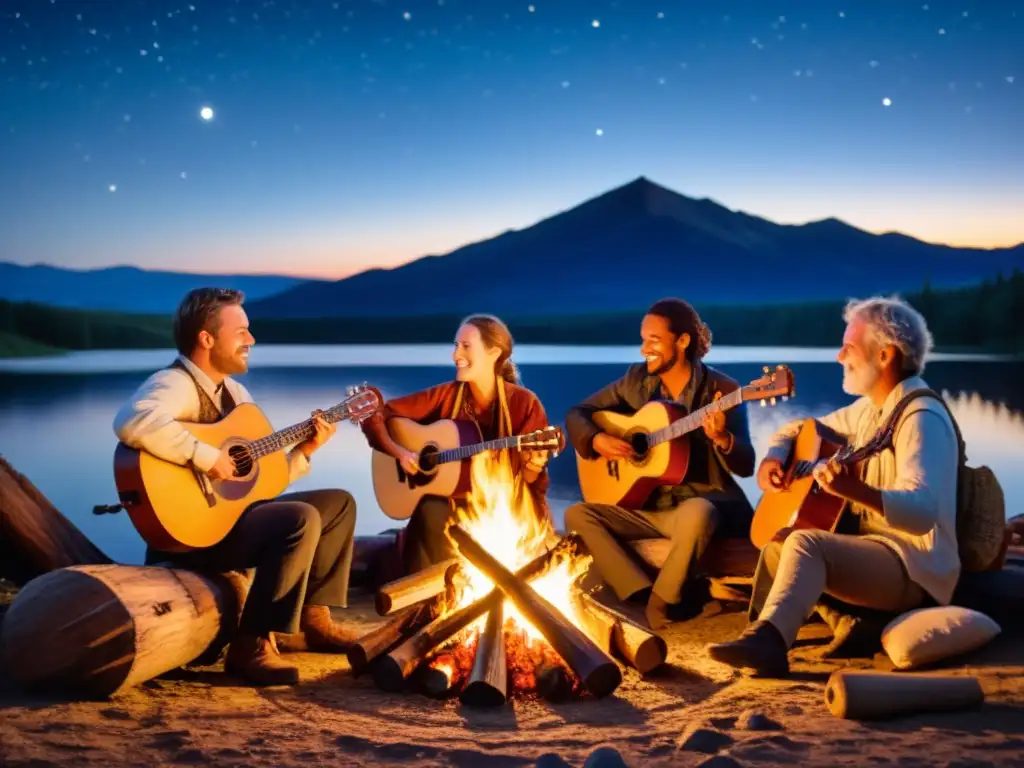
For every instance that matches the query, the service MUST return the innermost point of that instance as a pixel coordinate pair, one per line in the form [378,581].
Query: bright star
[206,113]
[112,188]
[595,23]
[599,132]
[887,102]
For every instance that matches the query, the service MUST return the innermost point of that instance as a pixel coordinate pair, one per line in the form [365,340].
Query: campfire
[506,617]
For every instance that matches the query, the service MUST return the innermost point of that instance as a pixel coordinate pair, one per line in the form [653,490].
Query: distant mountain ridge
[124,289]
[638,242]
[617,251]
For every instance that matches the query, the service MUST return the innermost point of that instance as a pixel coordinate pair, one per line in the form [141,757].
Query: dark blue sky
[351,133]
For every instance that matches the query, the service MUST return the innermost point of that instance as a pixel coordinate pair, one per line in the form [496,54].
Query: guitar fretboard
[466,451]
[296,433]
[692,421]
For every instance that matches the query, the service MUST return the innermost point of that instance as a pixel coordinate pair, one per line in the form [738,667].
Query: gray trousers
[603,528]
[301,547]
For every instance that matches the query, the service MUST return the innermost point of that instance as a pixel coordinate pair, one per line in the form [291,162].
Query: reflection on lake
[56,426]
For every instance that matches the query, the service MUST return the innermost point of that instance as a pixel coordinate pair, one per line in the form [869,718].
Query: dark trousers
[425,540]
[301,547]
[604,527]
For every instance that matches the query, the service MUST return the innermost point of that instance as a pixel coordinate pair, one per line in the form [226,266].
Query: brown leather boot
[256,659]
[321,631]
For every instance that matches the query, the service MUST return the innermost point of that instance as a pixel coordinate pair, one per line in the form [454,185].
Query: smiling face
[862,362]
[474,360]
[661,348]
[229,343]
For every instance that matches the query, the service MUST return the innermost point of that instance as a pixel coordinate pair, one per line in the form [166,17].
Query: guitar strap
[505,416]
[209,413]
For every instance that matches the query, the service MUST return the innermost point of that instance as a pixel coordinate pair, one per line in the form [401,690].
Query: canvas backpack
[980,504]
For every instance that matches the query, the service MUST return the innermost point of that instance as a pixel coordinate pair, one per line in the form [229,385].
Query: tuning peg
[350,391]
[763,403]
[773,401]
[765,369]
[779,367]
[785,398]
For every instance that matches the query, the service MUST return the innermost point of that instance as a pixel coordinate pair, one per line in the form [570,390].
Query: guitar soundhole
[639,442]
[243,460]
[428,458]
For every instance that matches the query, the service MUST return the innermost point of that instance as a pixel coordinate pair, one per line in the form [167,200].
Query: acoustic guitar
[800,502]
[444,449]
[659,456]
[179,508]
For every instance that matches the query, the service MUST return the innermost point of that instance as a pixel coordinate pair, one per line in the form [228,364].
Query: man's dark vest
[208,414]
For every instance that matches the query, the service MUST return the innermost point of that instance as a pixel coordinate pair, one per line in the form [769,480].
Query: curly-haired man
[708,503]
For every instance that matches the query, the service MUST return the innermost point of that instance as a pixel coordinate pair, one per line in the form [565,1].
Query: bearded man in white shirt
[299,544]
[905,555]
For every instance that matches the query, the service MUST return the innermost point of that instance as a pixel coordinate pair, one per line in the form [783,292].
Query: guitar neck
[692,421]
[466,451]
[296,433]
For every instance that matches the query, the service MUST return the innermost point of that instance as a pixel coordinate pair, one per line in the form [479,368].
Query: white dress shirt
[152,418]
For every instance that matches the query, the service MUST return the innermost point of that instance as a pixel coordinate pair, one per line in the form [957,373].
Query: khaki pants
[603,527]
[853,569]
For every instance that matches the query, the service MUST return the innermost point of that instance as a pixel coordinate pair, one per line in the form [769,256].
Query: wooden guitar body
[398,493]
[802,503]
[178,508]
[629,482]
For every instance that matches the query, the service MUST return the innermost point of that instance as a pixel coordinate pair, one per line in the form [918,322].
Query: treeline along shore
[986,317]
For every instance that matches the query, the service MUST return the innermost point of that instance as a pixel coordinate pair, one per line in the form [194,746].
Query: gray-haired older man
[906,553]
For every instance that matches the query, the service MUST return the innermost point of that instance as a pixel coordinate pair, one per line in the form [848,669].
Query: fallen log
[416,587]
[643,649]
[36,538]
[598,671]
[393,670]
[488,681]
[366,649]
[99,629]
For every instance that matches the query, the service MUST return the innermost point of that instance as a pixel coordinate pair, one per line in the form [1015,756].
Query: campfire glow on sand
[506,617]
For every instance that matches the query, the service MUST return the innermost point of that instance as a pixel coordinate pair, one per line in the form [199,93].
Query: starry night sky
[351,133]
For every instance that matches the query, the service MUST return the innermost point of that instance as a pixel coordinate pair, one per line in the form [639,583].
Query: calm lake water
[56,413]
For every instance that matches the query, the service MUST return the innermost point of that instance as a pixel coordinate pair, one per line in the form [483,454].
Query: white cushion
[929,635]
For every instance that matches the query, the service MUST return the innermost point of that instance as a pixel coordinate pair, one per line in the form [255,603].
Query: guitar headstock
[546,439]
[776,383]
[363,401]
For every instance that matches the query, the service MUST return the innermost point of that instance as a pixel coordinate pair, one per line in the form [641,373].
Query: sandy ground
[692,712]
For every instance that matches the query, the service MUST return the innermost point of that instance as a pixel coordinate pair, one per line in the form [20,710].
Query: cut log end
[388,675]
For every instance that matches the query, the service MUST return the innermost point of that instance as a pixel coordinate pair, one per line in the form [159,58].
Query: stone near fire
[751,720]
[605,757]
[697,738]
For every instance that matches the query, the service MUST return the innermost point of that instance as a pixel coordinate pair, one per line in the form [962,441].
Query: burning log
[394,668]
[416,587]
[553,683]
[488,682]
[363,652]
[594,667]
[440,677]
[643,649]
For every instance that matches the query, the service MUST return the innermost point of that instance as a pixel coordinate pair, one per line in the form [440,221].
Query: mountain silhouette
[123,289]
[637,243]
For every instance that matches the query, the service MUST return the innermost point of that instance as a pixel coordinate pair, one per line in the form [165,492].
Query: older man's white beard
[861,381]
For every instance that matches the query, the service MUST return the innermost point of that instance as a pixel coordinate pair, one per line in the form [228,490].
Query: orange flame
[501,516]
